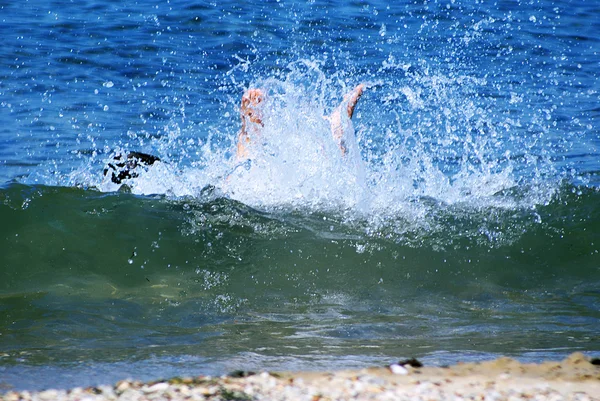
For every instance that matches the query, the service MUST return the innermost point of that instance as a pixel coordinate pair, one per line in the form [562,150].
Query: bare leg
[337,127]
[251,120]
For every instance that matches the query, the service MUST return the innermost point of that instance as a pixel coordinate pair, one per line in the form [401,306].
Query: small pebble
[48,395]
[398,370]
[156,387]
[122,386]
[12,396]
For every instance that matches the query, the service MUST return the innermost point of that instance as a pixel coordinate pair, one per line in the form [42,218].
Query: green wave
[83,271]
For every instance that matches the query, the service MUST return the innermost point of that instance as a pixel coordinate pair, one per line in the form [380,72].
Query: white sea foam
[430,139]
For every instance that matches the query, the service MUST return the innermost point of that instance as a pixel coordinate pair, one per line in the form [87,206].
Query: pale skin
[252,119]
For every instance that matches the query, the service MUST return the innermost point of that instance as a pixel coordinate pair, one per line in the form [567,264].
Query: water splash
[422,142]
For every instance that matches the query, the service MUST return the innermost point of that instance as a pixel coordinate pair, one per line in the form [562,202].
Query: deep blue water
[463,225]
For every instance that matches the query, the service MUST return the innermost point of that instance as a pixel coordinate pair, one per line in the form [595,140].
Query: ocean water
[463,224]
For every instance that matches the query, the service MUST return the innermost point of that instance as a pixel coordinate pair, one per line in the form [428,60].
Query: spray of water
[423,142]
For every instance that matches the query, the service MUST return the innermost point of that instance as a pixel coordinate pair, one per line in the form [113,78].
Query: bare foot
[337,128]
[251,120]
[250,102]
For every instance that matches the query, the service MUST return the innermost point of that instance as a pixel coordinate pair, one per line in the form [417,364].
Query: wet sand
[575,378]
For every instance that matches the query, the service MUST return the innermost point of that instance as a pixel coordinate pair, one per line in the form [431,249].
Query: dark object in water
[124,167]
[241,373]
[413,362]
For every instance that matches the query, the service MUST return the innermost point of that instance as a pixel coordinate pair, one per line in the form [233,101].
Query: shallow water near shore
[462,225]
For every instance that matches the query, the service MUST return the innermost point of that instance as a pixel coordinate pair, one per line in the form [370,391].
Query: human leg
[347,106]
[252,118]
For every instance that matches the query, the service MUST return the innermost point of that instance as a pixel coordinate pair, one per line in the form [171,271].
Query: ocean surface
[462,224]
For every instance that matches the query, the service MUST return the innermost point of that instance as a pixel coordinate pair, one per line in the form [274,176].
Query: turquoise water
[462,225]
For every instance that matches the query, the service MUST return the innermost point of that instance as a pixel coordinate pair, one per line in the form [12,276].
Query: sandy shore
[575,378]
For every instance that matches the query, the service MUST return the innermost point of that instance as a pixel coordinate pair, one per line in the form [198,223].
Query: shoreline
[575,378]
